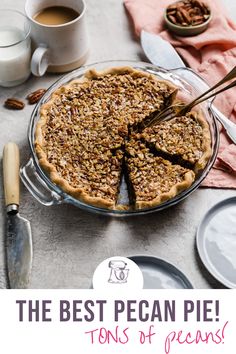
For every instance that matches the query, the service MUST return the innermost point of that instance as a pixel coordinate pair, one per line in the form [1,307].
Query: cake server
[162,53]
[18,231]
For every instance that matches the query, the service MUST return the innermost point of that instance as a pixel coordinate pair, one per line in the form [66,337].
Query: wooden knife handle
[11,166]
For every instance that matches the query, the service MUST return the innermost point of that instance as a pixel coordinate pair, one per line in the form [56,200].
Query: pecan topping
[86,126]
[35,96]
[87,137]
[14,103]
[151,176]
[182,136]
[188,13]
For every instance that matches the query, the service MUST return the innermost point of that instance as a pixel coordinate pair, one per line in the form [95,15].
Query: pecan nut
[35,96]
[14,103]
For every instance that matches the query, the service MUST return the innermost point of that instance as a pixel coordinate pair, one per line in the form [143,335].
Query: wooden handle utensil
[11,165]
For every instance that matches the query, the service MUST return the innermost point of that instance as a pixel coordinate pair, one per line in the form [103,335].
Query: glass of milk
[15,48]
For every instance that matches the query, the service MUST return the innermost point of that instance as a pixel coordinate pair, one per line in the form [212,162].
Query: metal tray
[159,274]
[216,241]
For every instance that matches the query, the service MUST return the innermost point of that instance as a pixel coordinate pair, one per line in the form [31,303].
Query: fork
[180,108]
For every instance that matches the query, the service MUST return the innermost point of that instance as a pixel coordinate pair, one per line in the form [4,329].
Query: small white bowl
[186,31]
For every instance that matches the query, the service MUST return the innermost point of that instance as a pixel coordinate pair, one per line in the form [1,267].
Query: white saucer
[216,241]
[159,274]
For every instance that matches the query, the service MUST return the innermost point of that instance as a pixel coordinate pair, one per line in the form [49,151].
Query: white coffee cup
[59,48]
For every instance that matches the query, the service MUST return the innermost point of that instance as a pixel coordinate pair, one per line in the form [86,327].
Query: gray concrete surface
[70,243]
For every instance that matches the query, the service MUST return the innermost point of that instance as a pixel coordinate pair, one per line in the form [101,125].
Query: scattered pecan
[185,15]
[198,22]
[188,13]
[74,111]
[198,18]
[172,19]
[171,12]
[35,96]
[179,17]
[14,103]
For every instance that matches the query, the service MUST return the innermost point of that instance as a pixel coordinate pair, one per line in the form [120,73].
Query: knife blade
[19,250]
[163,54]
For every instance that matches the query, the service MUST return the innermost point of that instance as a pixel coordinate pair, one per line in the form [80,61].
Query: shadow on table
[156,223]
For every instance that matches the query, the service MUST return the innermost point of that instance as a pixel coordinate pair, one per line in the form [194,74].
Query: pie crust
[82,135]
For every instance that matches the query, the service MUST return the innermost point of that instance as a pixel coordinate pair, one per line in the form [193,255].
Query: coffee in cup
[56,15]
[59,35]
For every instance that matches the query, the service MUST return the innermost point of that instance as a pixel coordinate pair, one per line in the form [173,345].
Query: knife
[19,248]
[162,53]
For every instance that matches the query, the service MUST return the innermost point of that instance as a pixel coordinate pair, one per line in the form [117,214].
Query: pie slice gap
[185,140]
[152,179]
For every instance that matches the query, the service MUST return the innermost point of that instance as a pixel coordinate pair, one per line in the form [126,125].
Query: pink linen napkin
[211,54]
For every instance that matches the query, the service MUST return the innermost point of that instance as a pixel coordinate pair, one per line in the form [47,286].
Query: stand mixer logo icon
[118,270]
[118,273]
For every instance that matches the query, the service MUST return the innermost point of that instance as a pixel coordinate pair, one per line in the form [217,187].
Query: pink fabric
[211,54]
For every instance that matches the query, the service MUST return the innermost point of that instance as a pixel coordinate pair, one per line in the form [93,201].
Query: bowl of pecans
[187,17]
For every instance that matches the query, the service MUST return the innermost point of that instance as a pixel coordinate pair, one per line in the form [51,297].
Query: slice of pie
[183,139]
[152,179]
[93,178]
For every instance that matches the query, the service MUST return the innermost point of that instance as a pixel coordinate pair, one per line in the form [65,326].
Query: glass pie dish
[46,192]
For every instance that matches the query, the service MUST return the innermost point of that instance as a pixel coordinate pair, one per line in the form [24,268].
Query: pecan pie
[84,138]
